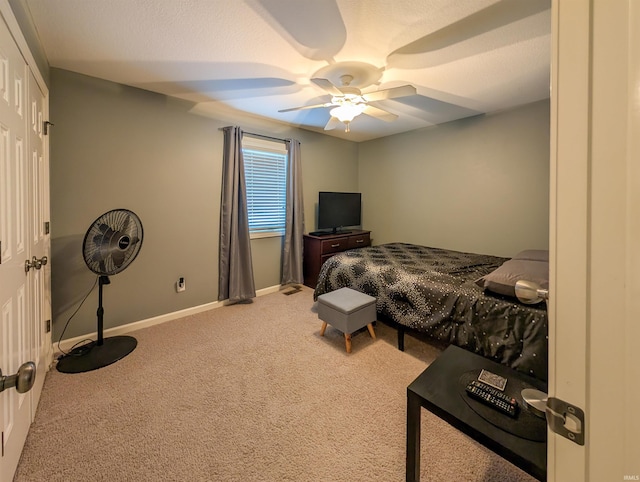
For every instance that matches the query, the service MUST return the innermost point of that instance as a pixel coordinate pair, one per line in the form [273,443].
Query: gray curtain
[292,246]
[235,268]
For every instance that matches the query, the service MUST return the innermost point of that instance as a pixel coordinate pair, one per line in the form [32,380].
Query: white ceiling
[465,57]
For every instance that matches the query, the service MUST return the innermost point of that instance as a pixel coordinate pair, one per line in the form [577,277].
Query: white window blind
[265,168]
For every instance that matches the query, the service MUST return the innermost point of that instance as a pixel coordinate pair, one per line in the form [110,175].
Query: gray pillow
[503,279]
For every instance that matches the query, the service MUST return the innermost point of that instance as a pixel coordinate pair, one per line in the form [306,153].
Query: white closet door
[15,310]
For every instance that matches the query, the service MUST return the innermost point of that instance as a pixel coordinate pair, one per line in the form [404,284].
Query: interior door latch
[46,125]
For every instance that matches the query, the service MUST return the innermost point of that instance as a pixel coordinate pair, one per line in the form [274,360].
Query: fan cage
[112,242]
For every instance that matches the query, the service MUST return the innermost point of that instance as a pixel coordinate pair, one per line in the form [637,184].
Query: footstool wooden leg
[347,342]
[371,332]
[324,327]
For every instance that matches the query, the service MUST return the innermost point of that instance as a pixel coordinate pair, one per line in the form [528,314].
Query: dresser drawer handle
[335,245]
[359,240]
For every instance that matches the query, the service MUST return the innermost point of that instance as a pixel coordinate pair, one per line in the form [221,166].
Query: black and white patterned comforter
[433,291]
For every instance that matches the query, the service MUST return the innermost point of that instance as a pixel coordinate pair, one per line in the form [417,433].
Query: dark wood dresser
[317,249]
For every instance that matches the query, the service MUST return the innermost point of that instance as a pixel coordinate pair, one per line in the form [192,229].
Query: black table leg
[413,437]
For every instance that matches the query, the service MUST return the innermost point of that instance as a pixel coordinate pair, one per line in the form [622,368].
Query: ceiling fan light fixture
[347,111]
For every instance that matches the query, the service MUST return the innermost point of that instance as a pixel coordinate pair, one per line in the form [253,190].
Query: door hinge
[47,326]
[3,444]
[45,127]
[46,227]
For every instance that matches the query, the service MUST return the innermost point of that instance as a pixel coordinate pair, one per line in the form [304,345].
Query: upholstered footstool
[347,310]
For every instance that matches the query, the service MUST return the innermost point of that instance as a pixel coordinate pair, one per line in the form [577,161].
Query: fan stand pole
[103,280]
[103,352]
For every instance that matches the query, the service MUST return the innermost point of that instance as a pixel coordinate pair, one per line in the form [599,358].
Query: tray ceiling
[464,57]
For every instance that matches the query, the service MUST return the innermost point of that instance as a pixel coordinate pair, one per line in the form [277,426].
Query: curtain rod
[265,137]
[261,135]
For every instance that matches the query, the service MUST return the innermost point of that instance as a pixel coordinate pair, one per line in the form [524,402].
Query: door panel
[39,239]
[594,285]
[15,333]
[25,295]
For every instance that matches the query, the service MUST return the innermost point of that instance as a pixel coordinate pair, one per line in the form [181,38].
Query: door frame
[595,235]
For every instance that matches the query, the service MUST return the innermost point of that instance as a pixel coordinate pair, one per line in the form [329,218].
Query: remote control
[493,397]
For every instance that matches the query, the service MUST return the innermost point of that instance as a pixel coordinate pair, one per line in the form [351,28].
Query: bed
[446,295]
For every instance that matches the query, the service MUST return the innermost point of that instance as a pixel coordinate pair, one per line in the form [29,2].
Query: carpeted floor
[248,392]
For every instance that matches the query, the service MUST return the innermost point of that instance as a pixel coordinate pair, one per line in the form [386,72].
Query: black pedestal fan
[110,245]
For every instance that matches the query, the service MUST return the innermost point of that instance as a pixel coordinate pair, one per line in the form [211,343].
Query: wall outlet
[181,285]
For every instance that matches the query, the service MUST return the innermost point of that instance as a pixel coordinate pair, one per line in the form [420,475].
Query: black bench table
[440,389]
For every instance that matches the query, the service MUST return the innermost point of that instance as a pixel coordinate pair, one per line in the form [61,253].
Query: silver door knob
[23,380]
[28,265]
[35,263]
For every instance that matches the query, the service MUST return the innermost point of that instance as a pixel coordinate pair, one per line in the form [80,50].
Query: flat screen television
[339,209]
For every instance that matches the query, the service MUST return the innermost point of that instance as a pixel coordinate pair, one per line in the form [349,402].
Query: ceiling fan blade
[332,124]
[327,85]
[435,111]
[315,106]
[392,93]
[379,113]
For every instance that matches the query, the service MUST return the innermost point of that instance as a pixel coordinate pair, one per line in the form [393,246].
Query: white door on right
[594,308]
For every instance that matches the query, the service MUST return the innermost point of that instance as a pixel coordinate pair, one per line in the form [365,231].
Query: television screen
[338,209]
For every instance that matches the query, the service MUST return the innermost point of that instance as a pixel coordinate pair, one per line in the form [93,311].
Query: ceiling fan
[317,31]
[348,102]
[343,80]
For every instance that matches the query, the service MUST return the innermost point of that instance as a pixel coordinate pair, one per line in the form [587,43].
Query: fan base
[93,356]
[362,73]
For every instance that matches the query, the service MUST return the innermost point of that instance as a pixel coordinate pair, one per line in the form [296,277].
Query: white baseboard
[66,345]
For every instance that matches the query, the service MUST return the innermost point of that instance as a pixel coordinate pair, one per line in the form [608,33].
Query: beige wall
[479,184]
[115,146]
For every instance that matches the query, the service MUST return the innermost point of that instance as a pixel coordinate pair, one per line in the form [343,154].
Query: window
[265,168]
